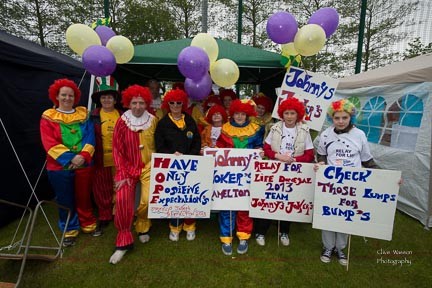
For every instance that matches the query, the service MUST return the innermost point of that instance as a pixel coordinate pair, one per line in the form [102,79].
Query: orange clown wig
[216,109]
[54,89]
[292,103]
[261,99]
[227,92]
[246,106]
[175,95]
[136,91]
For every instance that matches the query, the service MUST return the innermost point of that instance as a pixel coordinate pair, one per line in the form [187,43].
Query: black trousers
[261,226]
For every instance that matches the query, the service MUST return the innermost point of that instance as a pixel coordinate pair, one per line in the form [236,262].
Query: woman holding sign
[133,145]
[238,132]
[177,133]
[342,144]
[288,141]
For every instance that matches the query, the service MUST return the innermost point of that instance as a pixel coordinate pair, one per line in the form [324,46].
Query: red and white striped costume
[133,145]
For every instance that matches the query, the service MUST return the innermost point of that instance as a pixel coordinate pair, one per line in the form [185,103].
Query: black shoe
[69,241]
[98,231]
[104,223]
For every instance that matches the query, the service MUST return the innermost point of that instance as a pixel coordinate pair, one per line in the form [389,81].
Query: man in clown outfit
[133,145]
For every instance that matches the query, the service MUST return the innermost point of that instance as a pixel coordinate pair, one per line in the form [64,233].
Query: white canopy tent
[395,108]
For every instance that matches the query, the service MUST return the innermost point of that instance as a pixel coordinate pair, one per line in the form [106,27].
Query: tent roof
[159,60]
[167,52]
[23,52]
[414,70]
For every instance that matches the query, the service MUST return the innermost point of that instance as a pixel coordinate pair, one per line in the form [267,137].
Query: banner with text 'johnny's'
[316,90]
[231,177]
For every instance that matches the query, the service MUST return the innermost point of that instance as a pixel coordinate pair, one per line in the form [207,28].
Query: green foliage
[148,23]
[416,48]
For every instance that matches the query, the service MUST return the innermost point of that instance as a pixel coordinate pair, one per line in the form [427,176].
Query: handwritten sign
[314,89]
[180,187]
[282,191]
[231,178]
[356,201]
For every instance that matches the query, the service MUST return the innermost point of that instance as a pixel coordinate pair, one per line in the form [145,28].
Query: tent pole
[360,38]
[429,212]
[204,16]
[106,8]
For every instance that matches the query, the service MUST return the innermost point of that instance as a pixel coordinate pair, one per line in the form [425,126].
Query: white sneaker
[117,256]
[260,239]
[284,239]
[174,236]
[190,235]
[144,238]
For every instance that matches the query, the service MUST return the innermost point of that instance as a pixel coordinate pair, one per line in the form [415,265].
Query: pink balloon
[327,18]
[104,33]
[281,27]
[198,90]
[99,60]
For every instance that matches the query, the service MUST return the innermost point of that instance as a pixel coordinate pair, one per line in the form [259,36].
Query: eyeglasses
[174,103]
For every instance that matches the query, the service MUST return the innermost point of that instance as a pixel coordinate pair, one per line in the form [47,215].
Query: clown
[216,116]
[108,110]
[68,138]
[133,145]
[241,133]
[288,141]
[264,106]
[177,133]
[226,97]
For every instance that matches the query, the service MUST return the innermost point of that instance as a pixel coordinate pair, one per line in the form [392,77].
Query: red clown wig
[262,99]
[178,85]
[227,92]
[246,106]
[175,95]
[292,103]
[211,101]
[216,109]
[54,89]
[136,91]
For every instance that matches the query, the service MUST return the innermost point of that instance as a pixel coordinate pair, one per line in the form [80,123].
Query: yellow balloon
[208,43]
[224,72]
[79,37]
[309,39]
[122,48]
[288,49]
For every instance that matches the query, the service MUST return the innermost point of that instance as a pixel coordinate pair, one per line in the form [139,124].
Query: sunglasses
[174,103]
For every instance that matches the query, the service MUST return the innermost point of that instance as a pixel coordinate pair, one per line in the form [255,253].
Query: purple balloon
[198,90]
[193,62]
[281,27]
[327,18]
[104,33]
[99,60]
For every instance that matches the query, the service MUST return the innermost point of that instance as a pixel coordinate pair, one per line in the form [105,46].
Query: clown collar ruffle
[137,123]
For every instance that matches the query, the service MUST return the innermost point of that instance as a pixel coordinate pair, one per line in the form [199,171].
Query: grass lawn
[201,263]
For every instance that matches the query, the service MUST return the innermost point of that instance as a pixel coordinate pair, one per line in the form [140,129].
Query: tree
[416,48]
[147,22]
[186,14]
[45,21]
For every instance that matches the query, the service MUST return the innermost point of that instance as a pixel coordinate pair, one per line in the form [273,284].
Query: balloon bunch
[282,28]
[195,61]
[101,49]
